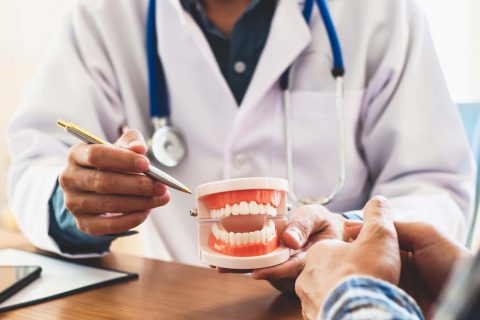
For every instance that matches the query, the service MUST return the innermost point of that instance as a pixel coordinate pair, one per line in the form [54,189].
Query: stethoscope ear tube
[338,69]
[338,72]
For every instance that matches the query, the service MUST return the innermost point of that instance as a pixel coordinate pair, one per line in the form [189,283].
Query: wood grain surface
[164,290]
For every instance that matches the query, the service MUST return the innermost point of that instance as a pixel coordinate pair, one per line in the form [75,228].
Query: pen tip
[186,190]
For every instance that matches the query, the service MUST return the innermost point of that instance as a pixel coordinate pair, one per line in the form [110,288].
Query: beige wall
[26,29]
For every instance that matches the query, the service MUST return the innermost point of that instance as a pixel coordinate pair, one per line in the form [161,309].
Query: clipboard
[59,278]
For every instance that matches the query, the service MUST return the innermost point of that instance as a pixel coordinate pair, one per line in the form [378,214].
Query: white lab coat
[404,135]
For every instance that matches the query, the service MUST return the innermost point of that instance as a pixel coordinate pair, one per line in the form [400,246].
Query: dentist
[222,62]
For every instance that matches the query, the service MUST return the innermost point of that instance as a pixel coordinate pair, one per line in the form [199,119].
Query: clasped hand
[415,256]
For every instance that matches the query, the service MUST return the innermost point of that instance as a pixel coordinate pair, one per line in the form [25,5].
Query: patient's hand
[374,253]
[309,224]
[101,179]
[428,258]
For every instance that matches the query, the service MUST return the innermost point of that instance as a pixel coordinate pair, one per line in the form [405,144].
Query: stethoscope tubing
[157,90]
[338,72]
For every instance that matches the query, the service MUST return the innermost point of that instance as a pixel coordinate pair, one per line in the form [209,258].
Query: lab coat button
[240,67]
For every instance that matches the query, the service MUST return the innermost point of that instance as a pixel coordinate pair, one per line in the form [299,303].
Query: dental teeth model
[240,222]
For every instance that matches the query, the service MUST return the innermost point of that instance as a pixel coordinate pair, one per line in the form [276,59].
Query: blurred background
[27,27]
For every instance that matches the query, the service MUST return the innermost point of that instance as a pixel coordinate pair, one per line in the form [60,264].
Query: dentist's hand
[308,225]
[101,179]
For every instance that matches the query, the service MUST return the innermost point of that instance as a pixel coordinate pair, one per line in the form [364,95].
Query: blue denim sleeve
[352,215]
[64,231]
[360,297]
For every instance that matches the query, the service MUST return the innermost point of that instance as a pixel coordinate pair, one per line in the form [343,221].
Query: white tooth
[264,235]
[271,229]
[220,235]
[271,210]
[214,230]
[231,238]
[238,239]
[251,237]
[235,210]
[221,213]
[253,207]
[271,224]
[243,208]
[258,236]
[245,238]
[228,210]
[212,213]
[225,237]
[261,209]
[274,211]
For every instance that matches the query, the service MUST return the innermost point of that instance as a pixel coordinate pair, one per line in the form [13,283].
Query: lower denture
[243,250]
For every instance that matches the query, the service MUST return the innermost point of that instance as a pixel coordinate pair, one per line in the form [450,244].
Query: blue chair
[470,113]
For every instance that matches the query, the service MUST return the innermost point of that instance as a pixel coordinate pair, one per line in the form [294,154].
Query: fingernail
[141,164]
[159,188]
[134,143]
[295,234]
[353,223]
[379,197]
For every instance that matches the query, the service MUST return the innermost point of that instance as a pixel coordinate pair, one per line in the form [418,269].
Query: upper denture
[232,198]
[243,208]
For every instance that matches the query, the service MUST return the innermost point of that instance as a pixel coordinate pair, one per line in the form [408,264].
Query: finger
[353,223]
[378,219]
[101,225]
[82,203]
[106,157]
[414,235]
[132,140]
[305,221]
[352,228]
[109,182]
[286,286]
[407,235]
[289,269]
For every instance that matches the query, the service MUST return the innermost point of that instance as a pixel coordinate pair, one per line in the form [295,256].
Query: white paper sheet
[57,276]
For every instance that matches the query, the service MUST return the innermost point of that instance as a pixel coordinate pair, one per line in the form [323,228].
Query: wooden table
[164,290]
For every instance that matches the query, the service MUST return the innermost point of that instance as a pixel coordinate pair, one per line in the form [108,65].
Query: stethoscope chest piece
[167,143]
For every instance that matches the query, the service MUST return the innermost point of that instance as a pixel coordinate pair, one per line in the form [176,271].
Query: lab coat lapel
[202,44]
[289,36]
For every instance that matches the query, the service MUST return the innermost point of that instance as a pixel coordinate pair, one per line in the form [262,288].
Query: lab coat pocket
[316,144]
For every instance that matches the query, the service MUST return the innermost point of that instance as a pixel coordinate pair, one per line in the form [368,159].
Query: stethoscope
[167,144]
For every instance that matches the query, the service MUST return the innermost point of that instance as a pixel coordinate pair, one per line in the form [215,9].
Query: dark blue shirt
[238,56]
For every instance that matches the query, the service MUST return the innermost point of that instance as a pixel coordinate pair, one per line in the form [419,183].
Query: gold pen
[152,172]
